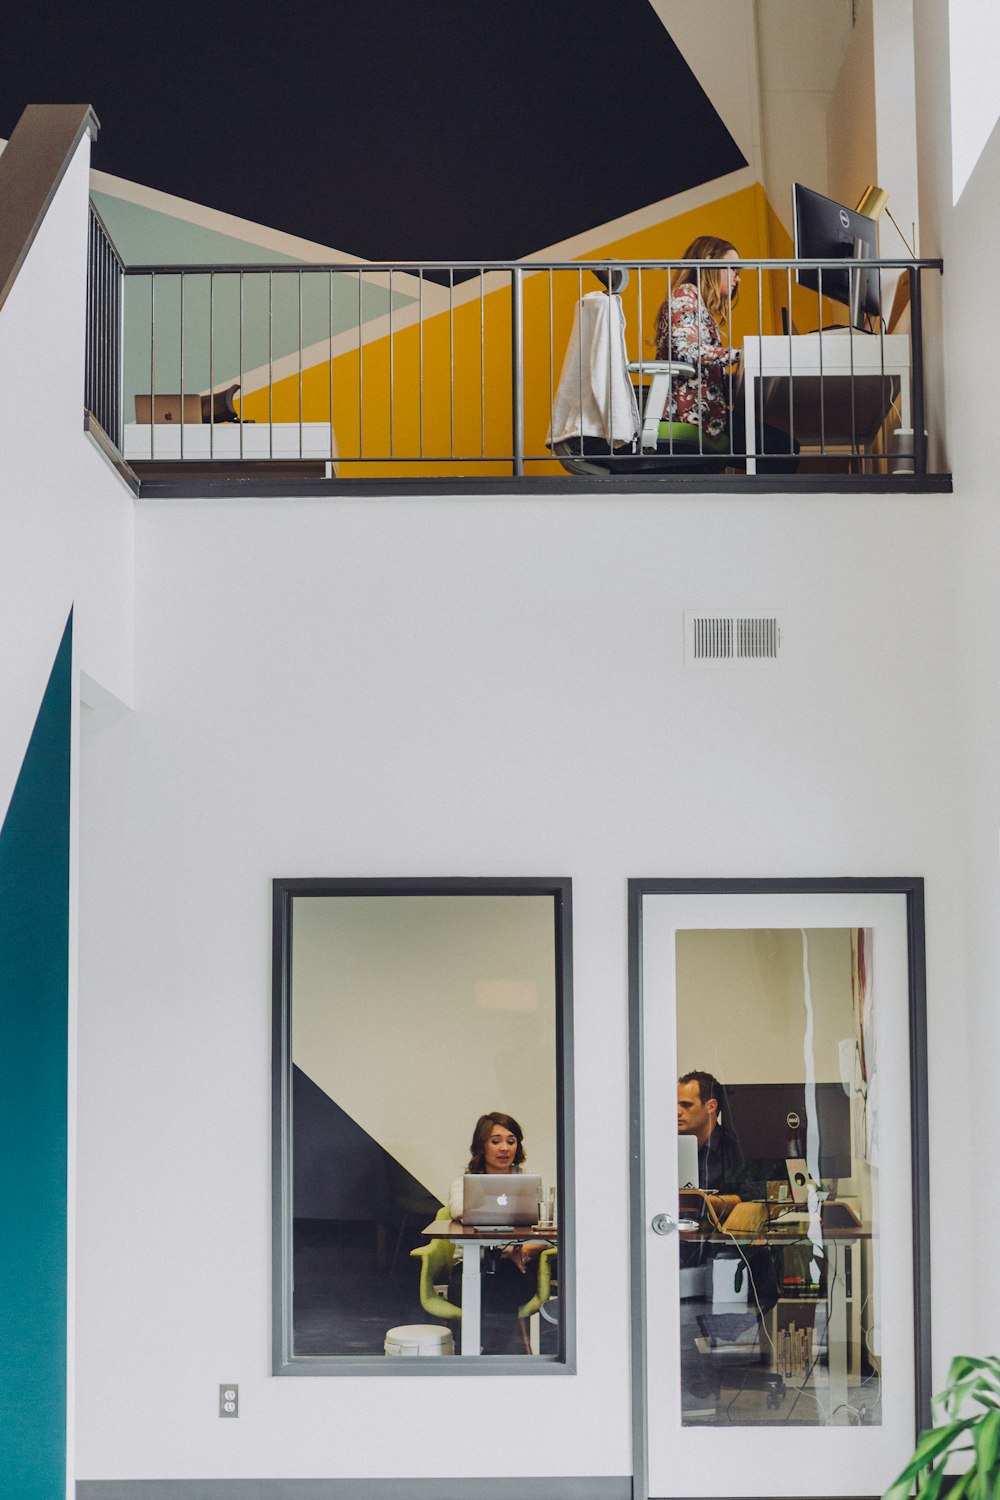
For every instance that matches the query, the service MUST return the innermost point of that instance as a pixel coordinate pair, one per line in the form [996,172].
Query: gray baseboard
[355,1489]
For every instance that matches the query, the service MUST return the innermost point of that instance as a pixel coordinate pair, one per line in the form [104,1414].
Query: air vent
[712,639]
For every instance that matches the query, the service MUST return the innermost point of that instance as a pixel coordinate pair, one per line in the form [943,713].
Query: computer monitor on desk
[825,230]
[773,1121]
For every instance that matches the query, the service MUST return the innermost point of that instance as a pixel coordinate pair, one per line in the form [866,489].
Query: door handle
[664,1224]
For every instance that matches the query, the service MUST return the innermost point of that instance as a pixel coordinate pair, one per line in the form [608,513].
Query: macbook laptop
[687,1161]
[168,409]
[501,1199]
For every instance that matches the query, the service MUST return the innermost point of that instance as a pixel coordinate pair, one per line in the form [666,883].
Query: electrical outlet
[229,1400]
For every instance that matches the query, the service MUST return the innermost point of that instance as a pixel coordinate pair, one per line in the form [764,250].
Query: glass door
[776,1054]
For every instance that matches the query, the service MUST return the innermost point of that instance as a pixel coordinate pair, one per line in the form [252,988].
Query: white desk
[836,387]
[230,441]
[474,1242]
[841,1250]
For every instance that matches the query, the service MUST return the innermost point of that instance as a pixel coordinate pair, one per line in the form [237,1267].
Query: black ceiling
[445,129]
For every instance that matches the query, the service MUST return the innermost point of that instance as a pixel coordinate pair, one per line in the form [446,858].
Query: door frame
[912,889]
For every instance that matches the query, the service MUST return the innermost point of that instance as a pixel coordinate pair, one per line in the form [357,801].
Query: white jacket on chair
[595,397]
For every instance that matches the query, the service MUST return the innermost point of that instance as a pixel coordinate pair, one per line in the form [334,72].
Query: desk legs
[836,1337]
[471,1337]
[749,384]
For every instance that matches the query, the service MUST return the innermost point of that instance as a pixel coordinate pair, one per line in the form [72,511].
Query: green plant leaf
[987,1439]
[964,1485]
[932,1444]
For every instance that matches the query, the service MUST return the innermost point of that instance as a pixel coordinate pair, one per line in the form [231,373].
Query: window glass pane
[778,1159]
[412,1016]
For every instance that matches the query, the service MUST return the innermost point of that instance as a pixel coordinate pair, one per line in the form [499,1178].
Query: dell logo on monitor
[792,1120]
[845,219]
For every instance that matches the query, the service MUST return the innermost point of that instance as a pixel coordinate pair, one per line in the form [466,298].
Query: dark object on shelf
[217,406]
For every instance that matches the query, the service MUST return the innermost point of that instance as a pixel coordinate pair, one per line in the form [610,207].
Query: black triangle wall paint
[443,131]
[340,1172]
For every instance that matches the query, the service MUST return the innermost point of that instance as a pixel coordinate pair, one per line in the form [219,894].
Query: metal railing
[457,369]
[105,330]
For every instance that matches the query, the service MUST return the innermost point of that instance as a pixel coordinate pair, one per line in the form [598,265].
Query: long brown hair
[484,1128]
[707,280]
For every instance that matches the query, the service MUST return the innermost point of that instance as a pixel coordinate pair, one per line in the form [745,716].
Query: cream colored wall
[896,130]
[800,50]
[417,1014]
[741,1003]
[851,132]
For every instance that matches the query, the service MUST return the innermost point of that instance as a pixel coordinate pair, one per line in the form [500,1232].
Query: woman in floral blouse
[689,326]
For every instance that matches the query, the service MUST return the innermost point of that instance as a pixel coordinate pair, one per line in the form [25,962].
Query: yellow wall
[462,366]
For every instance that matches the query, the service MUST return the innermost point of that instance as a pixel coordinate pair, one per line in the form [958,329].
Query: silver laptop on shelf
[496,1200]
[687,1161]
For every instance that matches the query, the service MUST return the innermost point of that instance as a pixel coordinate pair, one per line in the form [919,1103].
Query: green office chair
[436,1260]
[682,445]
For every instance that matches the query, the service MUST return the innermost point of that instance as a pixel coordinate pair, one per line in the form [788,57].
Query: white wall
[965,235]
[67,521]
[66,542]
[974,36]
[896,124]
[492,686]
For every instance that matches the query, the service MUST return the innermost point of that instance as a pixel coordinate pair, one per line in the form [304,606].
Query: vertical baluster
[551,368]
[517,369]
[152,365]
[240,371]
[917,387]
[330,353]
[212,399]
[392,373]
[451,357]
[420,355]
[211,361]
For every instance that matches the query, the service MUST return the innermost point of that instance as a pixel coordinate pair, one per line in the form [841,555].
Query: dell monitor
[828,231]
[773,1121]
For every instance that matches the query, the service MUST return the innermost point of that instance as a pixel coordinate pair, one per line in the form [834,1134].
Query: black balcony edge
[106,448]
[37,156]
[290,488]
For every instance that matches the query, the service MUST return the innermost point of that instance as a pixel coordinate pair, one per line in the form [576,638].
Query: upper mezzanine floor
[502,376]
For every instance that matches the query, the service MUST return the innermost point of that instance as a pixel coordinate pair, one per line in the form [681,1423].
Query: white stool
[419,1338]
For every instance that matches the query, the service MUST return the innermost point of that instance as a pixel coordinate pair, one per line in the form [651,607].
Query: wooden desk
[474,1242]
[834,388]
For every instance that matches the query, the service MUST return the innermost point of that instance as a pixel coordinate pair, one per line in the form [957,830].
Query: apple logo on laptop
[502,1200]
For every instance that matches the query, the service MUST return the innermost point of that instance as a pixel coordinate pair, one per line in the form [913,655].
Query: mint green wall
[145,236]
[34,963]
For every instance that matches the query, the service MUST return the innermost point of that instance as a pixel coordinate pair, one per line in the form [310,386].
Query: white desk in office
[474,1242]
[835,387]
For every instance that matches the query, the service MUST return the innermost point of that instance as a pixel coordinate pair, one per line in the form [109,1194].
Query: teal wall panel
[34,993]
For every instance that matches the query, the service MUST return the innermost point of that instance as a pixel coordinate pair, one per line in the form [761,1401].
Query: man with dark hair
[699,1113]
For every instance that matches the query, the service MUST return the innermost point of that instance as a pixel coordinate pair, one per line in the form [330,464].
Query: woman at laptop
[694,324]
[497,1148]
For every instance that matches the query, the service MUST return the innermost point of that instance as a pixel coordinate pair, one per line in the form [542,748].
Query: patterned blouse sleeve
[677,337]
